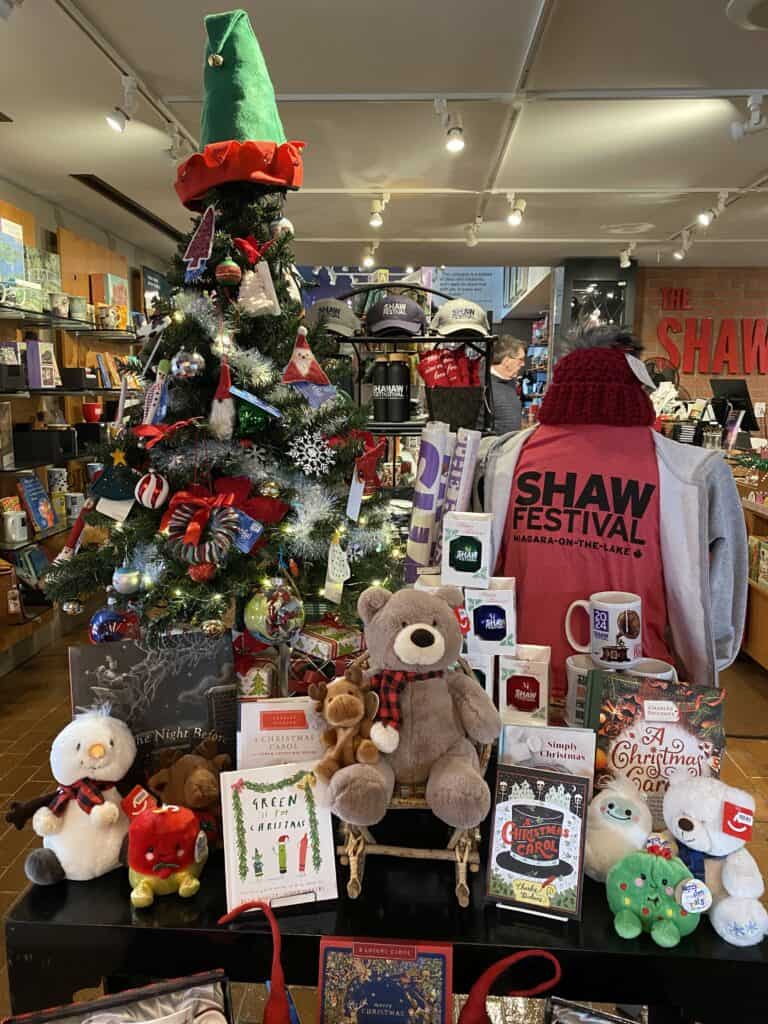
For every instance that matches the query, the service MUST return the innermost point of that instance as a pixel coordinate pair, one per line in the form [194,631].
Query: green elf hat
[241,132]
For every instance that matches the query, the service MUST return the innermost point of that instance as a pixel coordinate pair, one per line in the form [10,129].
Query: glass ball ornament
[269,489]
[250,419]
[126,580]
[72,607]
[212,627]
[282,226]
[152,490]
[187,365]
[228,273]
[276,614]
[110,624]
[202,572]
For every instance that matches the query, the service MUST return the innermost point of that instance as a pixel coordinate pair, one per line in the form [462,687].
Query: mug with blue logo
[615,628]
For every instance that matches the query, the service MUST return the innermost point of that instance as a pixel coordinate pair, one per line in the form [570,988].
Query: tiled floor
[34,705]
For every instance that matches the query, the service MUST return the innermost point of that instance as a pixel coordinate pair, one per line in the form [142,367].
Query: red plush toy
[166,853]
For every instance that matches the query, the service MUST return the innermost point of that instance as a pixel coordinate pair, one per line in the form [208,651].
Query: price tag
[355,499]
[738,821]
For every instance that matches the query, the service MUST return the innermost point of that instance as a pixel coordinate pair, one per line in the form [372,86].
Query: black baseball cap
[395,314]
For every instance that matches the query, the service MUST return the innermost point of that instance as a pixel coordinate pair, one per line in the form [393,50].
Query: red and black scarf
[87,792]
[389,684]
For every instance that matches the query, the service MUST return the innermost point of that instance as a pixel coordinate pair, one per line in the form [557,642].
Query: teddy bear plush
[618,822]
[430,713]
[711,823]
[642,892]
[348,706]
[83,825]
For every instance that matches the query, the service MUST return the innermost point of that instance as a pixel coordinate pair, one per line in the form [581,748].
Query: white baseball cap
[338,318]
[460,315]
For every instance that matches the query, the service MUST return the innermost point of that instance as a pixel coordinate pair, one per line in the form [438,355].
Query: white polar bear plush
[711,822]
[618,822]
[83,827]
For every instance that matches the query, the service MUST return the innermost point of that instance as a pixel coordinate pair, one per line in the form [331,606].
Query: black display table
[66,937]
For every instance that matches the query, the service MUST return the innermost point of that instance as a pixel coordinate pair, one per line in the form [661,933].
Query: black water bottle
[399,388]
[380,381]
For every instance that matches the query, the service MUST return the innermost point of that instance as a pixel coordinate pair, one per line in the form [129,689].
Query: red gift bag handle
[276,1010]
[474,1011]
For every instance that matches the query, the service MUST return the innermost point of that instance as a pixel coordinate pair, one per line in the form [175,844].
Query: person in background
[508,362]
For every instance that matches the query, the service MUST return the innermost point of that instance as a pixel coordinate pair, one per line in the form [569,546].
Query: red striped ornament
[152,490]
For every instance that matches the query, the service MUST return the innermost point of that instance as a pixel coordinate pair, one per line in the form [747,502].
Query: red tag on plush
[738,821]
[462,618]
[138,800]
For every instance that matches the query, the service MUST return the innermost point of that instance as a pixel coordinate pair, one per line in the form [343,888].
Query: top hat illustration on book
[533,838]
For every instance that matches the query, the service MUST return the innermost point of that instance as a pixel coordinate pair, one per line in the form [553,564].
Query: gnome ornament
[303,367]
[222,416]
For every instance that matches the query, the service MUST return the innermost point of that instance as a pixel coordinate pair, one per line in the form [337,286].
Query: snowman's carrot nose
[96,750]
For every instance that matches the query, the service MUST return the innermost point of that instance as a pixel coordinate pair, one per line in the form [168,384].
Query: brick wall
[732,294]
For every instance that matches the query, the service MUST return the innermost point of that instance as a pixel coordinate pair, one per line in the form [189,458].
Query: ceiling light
[686,240]
[178,144]
[516,210]
[755,121]
[679,254]
[749,14]
[452,124]
[369,259]
[378,206]
[470,234]
[705,218]
[625,256]
[118,118]
[409,269]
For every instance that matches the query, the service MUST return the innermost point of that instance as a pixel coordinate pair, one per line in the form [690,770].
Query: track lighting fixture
[7,7]
[409,269]
[118,118]
[453,125]
[471,232]
[516,210]
[686,240]
[705,217]
[755,121]
[377,209]
[369,259]
[178,144]
[625,256]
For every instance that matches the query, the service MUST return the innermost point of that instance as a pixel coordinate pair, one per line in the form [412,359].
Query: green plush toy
[642,893]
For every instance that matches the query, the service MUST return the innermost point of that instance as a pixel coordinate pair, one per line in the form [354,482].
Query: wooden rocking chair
[462,848]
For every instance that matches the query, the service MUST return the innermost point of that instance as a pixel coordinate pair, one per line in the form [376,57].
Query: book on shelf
[114,373]
[37,503]
[42,368]
[7,457]
[650,729]
[101,363]
[9,353]
[278,839]
[536,855]
[11,250]
[378,982]
[555,747]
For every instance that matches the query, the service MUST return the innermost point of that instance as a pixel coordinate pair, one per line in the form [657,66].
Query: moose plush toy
[712,822]
[348,706]
[430,715]
[192,780]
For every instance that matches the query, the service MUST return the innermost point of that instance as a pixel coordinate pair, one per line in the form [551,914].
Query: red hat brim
[263,163]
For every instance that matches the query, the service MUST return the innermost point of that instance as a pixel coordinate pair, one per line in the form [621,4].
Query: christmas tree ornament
[200,529]
[251,248]
[310,452]
[152,490]
[156,395]
[228,273]
[281,227]
[198,252]
[241,135]
[303,366]
[126,580]
[257,296]
[109,624]
[186,365]
[315,395]
[213,627]
[254,400]
[203,572]
[292,284]
[337,571]
[221,418]
[250,420]
[276,614]
[72,607]
[269,488]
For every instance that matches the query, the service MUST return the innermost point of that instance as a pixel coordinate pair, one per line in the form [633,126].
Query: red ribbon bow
[162,431]
[373,452]
[251,248]
[204,504]
[660,851]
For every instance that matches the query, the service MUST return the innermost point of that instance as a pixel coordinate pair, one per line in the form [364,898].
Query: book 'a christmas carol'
[278,843]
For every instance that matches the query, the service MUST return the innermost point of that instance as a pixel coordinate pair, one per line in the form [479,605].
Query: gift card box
[466,555]
[492,621]
[524,685]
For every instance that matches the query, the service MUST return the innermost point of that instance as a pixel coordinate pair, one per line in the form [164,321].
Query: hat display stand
[462,848]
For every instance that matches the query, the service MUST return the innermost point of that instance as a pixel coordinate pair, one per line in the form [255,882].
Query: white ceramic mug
[14,526]
[654,668]
[615,628]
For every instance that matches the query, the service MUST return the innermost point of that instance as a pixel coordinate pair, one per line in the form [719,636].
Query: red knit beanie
[596,385]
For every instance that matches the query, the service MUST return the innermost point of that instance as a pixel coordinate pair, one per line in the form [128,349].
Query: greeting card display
[380,982]
[554,747]
[650,729]
[537,842]
[278,731]
[278,842]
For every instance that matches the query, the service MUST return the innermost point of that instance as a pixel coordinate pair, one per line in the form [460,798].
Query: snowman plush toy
[83,826]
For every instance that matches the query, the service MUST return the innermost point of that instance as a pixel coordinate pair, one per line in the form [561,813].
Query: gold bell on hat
[215,60]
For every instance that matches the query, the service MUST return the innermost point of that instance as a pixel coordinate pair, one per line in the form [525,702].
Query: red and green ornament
[228,273]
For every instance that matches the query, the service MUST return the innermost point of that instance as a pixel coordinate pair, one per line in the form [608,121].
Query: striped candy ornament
[152,490]
[219,534]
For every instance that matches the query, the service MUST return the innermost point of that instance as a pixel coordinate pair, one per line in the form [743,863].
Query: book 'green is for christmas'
[650,729]
[536,856]
[374,982]
[278,843]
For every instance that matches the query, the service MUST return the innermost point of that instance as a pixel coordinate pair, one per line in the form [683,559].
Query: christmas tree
[226,489]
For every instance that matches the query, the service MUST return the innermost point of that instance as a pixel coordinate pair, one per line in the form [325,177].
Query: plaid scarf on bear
[389,684]
[87,792]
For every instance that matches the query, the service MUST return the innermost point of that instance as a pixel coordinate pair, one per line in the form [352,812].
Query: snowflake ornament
[311,453]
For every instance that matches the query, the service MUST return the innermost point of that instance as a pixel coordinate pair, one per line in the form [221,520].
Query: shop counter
[66,937]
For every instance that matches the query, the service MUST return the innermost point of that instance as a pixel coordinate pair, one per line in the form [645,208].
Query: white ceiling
[596,172]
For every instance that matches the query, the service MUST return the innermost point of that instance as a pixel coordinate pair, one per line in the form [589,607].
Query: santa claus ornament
[303,367]
[221,419]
